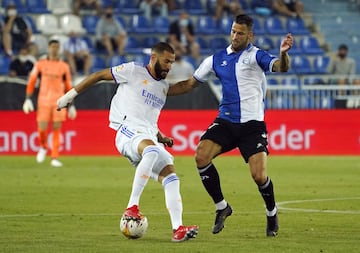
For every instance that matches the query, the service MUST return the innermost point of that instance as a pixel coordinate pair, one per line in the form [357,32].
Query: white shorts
[127,141]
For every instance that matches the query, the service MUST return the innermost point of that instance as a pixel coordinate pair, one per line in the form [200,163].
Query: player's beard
[159,72]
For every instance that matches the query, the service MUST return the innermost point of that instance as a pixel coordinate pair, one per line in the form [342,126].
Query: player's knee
[169,178]
[259,176]
[202,159]
[151,150]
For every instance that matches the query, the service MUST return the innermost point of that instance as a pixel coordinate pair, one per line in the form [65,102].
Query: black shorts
[249,137]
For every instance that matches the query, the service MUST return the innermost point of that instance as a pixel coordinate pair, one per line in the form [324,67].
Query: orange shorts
[49,113]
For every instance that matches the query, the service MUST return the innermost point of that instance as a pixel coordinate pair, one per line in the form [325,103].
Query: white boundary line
[281,206]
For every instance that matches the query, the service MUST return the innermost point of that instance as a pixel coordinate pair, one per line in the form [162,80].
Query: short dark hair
[52,41]
[161,47]
[343,47]
[244,19]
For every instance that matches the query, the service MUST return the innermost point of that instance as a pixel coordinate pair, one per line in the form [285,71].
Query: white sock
[142,173]
[171,184]
[221,205]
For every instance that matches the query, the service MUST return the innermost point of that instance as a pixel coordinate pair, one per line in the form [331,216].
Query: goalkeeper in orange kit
[55,80]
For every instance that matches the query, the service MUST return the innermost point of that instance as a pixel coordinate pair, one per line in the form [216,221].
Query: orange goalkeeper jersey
[55,80]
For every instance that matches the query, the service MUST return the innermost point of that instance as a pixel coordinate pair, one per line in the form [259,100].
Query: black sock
[211,181]
[267,192]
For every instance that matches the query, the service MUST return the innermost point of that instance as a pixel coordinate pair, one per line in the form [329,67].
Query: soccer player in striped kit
[240,123]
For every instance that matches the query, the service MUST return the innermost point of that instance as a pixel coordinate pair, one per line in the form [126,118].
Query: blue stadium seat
[31,23]
[148,42]
[274,26]
[133,46]
[89,23]
[89,43]
[218,43]
[259,28]
[128,7]
[225,25]
[272,81]
[20,5]
[122,21]
[204,45]
[161,24]
[194,7]
[296,26]
[37,6]
[264,42]
[4,64]
[206,25]
[140,24]
[301,65]
[117,60]
[321,63]
[142,58]
[310,45]
[98,63]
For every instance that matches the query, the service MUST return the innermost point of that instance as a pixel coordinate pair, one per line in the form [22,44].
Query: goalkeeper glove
[66,99]
[28,106]
[72,112]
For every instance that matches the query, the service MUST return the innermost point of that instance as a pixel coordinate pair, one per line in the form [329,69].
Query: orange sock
[55,144]
[42,134]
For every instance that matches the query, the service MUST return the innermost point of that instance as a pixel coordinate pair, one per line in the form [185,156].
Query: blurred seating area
[317,33]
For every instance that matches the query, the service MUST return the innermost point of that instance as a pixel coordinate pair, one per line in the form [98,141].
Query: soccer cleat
[56,163]
[221,216]
[133,213]
[272,227]
[184,233]
[41,154]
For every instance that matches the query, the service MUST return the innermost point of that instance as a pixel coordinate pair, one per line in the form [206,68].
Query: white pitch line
[281,204]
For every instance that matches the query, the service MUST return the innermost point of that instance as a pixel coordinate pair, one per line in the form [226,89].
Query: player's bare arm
[183,87]
[283,64]
[92,79]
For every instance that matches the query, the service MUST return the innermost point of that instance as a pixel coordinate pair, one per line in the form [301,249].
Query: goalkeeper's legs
[42,135]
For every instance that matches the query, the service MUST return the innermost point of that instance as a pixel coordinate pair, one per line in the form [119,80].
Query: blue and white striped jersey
[242,77]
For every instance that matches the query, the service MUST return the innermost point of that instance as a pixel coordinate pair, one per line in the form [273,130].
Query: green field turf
[77,208]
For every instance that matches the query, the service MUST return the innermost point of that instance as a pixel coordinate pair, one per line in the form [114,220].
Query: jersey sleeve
[205,70]
[265,60]
[122,72]
[32,79]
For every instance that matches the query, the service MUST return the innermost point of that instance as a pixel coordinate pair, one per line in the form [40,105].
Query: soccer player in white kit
[134,113]
[240,124]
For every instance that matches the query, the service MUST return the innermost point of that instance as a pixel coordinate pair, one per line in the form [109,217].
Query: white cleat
[56,163]
[40,157]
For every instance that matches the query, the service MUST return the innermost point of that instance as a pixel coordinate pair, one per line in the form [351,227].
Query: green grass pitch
[77,208]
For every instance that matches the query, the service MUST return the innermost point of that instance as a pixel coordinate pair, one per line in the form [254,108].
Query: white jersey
[138,100]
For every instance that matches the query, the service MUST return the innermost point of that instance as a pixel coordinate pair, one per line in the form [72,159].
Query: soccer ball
[133,228]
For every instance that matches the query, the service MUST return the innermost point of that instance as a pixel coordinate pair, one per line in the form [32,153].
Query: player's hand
[286,43]
[28,106]
[72,112]
[66,99]
[167,141]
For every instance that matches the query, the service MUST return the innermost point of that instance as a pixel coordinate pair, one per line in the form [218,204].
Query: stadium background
[299,102]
